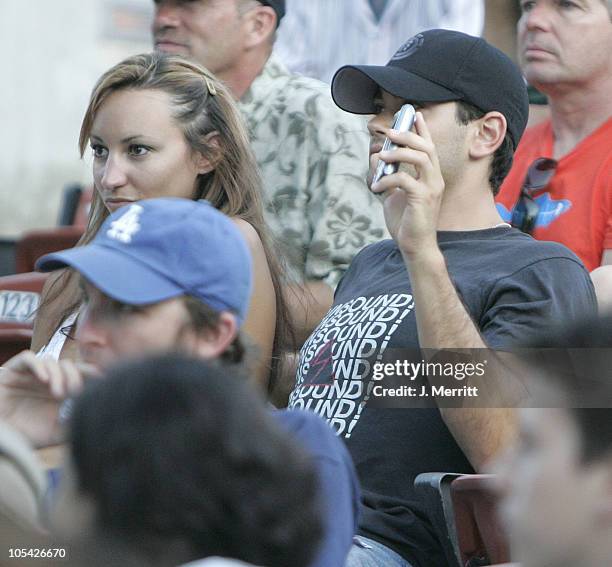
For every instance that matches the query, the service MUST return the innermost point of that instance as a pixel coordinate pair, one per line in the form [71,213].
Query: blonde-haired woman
[161,126]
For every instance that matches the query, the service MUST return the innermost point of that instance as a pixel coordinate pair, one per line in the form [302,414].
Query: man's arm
[308,304]
[412,207]
[443,322]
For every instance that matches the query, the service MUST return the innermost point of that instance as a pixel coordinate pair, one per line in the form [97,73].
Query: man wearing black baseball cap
[453,277]
[439,66]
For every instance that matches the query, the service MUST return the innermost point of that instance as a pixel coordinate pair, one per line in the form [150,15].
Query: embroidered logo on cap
[409,47]
[125,227]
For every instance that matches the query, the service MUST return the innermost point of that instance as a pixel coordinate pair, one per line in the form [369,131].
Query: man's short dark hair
[180,454]
[503,156]
[576,373]
[204,318]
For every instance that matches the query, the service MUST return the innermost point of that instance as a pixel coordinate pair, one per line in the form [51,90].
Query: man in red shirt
[565,51]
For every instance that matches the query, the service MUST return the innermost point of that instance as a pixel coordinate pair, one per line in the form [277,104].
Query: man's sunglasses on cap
[526,210]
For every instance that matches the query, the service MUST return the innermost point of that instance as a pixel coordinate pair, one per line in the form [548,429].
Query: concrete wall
[52,53]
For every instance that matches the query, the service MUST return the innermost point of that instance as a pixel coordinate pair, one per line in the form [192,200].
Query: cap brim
[117,275]
[354,87]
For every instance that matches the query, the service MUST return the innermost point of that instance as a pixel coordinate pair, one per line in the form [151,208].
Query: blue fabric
[338,481]
[53,479]
[157,249]
[369,553]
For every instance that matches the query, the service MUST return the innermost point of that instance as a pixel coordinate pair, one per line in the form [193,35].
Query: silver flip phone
[404,120]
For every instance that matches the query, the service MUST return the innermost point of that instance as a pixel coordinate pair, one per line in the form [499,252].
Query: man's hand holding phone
[412,201]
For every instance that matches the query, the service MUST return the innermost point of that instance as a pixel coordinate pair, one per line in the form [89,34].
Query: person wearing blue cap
[454,276]
[167,275]
[181,257]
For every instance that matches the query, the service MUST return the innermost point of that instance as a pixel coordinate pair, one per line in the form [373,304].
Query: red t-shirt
[576,205]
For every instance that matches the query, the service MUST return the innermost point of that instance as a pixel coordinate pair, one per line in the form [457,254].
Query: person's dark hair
[279,9]
[503,156]
[578,366]
[180,454]
[203,318]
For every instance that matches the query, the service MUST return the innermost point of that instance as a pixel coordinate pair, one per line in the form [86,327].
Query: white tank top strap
[55,345]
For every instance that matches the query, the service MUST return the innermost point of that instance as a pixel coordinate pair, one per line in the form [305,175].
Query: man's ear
[259,25]
[488,134]
[209,161]
[212,343]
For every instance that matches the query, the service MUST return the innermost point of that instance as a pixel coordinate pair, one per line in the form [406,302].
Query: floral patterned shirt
[313,159]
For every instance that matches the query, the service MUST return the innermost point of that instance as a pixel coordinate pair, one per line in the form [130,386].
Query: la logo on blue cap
[409,47]
[125,227]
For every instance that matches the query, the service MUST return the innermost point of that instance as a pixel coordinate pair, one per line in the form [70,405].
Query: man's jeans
[369,553]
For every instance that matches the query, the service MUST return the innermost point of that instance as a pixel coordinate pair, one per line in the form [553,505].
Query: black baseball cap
[440,66]
[279,8]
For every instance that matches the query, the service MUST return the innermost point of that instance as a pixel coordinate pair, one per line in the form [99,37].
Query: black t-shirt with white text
[510,284]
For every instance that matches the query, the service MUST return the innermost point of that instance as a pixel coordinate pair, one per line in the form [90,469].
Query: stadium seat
[434,490]
[81,214]
[70,202]
[19,298]
[37,243]
[13,341]
[479,531]
[462,509]
[76,201]
[73,218]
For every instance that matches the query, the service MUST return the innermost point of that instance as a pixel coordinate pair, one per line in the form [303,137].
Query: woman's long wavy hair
[201,104]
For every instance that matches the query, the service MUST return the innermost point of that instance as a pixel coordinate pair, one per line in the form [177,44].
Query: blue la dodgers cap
[158,249]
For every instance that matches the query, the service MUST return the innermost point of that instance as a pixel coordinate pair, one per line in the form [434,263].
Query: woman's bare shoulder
[250,235]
